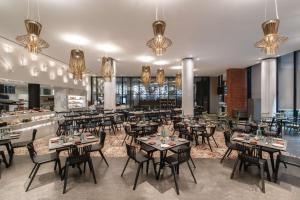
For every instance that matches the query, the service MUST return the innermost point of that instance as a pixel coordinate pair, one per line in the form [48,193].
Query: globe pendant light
[178,80]
[106,69]
[146,75]
[32,41]
[271,40]
[160,77]
[77,64]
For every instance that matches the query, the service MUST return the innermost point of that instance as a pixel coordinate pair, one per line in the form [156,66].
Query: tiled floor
[213,180]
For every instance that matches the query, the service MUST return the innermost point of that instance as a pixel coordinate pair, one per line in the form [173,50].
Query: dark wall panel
[33,96]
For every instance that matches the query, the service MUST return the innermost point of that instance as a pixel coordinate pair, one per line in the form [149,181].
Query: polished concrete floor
[213,183]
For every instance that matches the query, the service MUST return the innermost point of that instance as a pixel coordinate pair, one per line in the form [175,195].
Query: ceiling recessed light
[197,59]
[177,67]
[145,58]
[161,62]
[108,48]
[75,39]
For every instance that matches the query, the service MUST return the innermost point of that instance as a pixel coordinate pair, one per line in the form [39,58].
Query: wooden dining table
[156,141]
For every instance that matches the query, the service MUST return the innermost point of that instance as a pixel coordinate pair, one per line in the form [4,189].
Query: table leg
[161,163]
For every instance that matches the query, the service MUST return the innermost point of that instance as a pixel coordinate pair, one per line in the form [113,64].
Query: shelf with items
[75,102]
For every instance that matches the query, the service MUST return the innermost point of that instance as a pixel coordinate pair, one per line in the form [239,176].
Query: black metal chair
[78,156]
[230,146]
[4,160]
[129,133]
[254,159]
[99,146]
[39,160]
[139,158]
[285,159]
[207,136]
[173,161]
[188,137]
[24,143]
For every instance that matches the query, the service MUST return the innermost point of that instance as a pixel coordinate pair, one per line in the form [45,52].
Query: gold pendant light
[31,41]
[160,77]
[159,43]
[178,80]
[271,40]
[106,69]
[146,75]
[77,64]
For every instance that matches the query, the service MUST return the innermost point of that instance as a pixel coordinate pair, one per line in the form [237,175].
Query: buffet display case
[27,119]
[76,102]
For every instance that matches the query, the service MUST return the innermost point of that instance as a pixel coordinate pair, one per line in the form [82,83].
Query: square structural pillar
[268,87]
[188,86]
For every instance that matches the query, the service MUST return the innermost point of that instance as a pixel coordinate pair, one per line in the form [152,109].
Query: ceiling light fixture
[77,64]
[145,58]
[269,44]
[32,41]
[146,75]
[75,39]
[177,67]
[178,80]
[159,43]
[7,48]
[106,68]
[161,62]
[160,77]
[108,48]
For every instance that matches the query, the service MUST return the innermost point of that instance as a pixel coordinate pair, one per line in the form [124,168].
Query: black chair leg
[193,163]
[275,173]
[215,141]
[103,158]
[32,170]
[175,180]
[90,162]
[229,153]
[66,174]
[125,166]
[228,150]
[124,139]
[209,144]
[192,172]
[154,167]
[59,167]
[137,176]
[31,179]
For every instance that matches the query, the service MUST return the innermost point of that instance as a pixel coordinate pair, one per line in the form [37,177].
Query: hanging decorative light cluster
[159,43]
[32,41]
[146,75]
[160,77]
[178,80]
[271,40]
[106,69]
[77,64]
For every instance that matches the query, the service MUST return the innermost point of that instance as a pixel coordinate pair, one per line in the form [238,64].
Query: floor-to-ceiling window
[131,92]
[286,84]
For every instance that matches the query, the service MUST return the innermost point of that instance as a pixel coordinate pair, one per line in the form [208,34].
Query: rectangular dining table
[156,142]
[54,143]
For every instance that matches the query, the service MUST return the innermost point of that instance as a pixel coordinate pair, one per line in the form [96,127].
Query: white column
[268,87]
[110,91]
[61,99]
[188,86]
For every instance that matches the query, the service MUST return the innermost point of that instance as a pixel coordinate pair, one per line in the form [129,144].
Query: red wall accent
[236,98]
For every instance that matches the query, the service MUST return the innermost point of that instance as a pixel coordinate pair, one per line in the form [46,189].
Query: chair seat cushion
[46,158]
[269,150]
[96,147]
[20,144]
[141,157]
[290,160]
[172,160]
[148,148]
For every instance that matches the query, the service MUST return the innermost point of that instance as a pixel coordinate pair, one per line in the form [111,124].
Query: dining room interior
[149,99]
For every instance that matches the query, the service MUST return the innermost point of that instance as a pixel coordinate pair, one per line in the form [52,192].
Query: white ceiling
[221,33]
